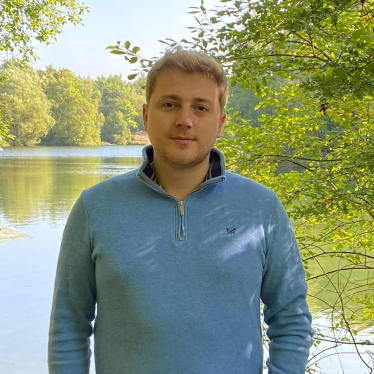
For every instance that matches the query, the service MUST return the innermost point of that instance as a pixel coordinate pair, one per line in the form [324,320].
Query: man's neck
[179,182]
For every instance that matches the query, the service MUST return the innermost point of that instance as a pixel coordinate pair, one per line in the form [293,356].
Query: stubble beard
[188,164]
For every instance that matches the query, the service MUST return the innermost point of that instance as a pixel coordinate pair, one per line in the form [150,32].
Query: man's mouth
[183,140]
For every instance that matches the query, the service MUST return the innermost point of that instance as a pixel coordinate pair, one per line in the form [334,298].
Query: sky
[82,49]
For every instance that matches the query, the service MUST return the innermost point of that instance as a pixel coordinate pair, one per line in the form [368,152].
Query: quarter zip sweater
[179,304]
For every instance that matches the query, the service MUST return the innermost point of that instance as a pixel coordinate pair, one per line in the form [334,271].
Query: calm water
[38,186]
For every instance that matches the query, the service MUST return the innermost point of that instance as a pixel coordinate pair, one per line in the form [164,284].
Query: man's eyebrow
[195,100]
[202,100]
[172,97]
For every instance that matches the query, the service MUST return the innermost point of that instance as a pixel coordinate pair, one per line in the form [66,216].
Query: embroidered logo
[230,232]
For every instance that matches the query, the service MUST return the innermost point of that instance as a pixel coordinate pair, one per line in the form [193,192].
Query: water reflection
[48,152]
[334,292]
[44,188]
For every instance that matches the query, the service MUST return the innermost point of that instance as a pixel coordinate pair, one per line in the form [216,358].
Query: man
[177,254]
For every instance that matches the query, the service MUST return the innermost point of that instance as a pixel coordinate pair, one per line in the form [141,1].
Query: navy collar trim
[215,159]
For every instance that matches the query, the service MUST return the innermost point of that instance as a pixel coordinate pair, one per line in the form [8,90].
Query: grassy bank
[9,234]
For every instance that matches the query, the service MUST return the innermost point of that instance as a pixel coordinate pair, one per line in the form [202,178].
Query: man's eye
[202,108]
[168,105]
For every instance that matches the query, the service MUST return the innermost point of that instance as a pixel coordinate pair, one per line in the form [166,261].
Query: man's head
[186,92]
[191,62]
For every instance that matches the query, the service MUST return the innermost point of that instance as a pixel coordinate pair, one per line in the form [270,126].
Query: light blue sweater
[178,287]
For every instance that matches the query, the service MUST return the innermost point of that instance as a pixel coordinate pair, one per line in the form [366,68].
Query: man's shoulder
[245,185]
[111,185]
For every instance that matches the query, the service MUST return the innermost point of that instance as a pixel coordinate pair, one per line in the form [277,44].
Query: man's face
[183,118]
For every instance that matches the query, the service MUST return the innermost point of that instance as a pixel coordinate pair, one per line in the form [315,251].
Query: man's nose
[184,118]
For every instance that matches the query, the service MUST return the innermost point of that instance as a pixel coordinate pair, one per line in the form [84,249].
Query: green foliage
[138,86]
[4,131]
[25,106]
[56,107]
[23,20]
[315,147]
[121,106]
[368,302]
[4,125]
[132,56]
[75,103]
[243,103]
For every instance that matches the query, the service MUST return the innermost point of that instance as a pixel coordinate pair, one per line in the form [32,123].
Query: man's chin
[180,159]
[184,162]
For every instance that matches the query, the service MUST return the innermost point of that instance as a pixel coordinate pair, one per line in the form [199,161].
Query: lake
[38,186]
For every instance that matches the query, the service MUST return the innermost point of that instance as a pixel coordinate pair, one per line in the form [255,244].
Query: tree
[118,105]
[139,88]
[243,102]
[316,148]
[24,20]
[26,106]
[4,125]
[21,21]
[78,121]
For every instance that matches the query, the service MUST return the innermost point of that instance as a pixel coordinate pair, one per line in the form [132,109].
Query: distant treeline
[57,107]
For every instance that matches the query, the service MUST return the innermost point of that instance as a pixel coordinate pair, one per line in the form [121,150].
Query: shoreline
[7,235]
[103,144]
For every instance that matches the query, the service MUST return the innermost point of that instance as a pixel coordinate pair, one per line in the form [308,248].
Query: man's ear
[145,116]
[221,122]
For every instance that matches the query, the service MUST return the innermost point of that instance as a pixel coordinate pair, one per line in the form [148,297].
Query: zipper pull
[181,208]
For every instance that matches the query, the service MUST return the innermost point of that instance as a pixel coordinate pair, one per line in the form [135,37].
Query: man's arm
[284,295]
[74,297]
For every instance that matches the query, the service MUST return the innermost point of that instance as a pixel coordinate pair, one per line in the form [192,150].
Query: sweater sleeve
[73,308]
[284,295]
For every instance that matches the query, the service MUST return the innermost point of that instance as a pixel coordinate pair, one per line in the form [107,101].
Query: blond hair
[190,62]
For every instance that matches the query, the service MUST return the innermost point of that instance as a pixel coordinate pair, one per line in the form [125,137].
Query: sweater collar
[216,158]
